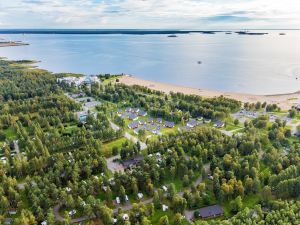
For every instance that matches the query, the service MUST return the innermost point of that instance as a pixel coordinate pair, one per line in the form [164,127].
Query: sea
[255,64]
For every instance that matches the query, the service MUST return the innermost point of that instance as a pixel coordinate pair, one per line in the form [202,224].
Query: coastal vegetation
[59,168]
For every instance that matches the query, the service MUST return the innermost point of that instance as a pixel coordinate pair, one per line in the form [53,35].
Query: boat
[228,33]
[282,34]
[199,62]
[172,35]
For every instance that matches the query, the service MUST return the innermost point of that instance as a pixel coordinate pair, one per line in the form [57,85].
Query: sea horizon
[197,60]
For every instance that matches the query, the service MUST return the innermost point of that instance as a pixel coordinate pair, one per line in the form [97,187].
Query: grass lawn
[231,126]
[159,213]
[70,129]
[115,143]
[10,133]
[248,201]
[110,80]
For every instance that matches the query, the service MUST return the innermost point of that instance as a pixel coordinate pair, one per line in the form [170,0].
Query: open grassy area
[248,201]
[108,146]
[231,126]
[159,213]
[10,133]
[111,80]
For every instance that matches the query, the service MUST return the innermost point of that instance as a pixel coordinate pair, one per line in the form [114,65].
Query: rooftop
[211,211]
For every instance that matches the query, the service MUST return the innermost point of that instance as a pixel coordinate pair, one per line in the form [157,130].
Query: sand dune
[285,101]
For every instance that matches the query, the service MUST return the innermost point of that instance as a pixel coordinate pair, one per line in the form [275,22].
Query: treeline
[173,107]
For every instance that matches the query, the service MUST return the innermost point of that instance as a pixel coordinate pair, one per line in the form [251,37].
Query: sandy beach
[285,101]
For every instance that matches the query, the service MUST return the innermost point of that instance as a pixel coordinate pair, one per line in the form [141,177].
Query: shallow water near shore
[267,64]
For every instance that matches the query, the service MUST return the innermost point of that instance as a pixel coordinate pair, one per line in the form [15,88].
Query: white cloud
[150,13]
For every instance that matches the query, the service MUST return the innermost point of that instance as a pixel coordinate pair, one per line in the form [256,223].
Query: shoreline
[285,101]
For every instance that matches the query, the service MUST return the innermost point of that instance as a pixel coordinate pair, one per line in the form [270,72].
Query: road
[16,146]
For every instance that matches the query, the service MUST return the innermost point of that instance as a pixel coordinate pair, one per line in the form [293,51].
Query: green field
[110,145]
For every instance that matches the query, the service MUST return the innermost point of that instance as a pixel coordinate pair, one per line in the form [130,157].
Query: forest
[56,169]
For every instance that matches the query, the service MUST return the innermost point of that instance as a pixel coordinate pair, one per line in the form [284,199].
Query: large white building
[78,81]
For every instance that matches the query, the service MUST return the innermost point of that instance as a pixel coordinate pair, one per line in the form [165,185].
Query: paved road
[16,146]
[114,166]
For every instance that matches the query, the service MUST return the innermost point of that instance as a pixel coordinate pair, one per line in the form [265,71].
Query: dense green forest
[57,169]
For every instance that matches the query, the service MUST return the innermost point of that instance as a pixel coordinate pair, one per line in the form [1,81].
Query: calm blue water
[253,64]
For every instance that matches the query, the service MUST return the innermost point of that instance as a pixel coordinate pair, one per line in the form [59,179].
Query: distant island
[172,35]
[12,43]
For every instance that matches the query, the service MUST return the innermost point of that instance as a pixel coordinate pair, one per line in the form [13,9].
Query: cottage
[12,212]
[211,211]
[142,122]
[133,125]
[192,123]
[297,107]
[142,113]
[135,110]
[159,120]
[150,120]
[169,124]
[132,116]
[44,223]
[119,112]
[114,220]
[219,124]
[126,198]
[128,109]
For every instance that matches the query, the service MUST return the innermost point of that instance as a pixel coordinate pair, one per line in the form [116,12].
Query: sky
[151,14]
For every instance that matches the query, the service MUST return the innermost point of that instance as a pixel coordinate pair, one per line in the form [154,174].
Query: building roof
[142,121]
[132,162]
[150,119]
[192,123]
[142,113]
[159,120]
[132,116]
[297,134]
[219,124]
[211,211]
[169,124]
[133,125]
